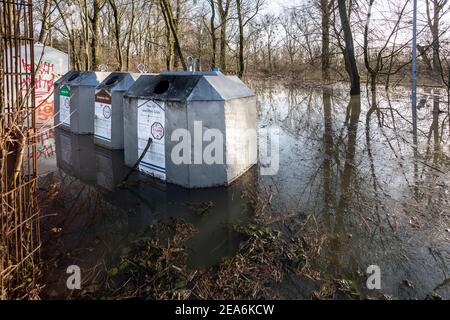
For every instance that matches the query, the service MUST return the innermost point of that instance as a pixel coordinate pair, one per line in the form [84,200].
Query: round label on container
[107,111]
[157,131]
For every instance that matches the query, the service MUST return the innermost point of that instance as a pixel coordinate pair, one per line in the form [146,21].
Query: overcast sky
[383,16]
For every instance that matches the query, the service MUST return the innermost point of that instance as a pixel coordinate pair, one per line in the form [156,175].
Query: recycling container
[74,100]
[108,118]
[199,128]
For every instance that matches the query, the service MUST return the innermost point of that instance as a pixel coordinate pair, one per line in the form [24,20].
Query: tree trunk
[325,8]
[352,68]
[241,64]
[86,37]
[130,32]
[168,18]
[117,34]
[269,57]
[213,34]
[223,12]
[423,53]
[176,58]
[223,45]
[45,21]
[373,73]
[94,37]
[169,40]
[433,23]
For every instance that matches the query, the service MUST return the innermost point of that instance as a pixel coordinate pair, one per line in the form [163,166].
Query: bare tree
[349,51]
[374,68]
[213,33]
[170,23]
[113,5]
[97,6]
[239,39]
[246,12]
[224,10]
[270,26]
[325,7]
[433,19]
[45,21]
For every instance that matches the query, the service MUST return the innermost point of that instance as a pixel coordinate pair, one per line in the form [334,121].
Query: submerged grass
[155,266]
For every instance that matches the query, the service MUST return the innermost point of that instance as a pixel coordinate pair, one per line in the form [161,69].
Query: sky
[275,6]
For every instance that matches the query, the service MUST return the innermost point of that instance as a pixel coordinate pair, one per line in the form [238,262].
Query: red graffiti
[45,141]
[44,81]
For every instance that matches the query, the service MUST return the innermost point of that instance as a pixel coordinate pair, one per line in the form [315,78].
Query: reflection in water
[101,219]
[378,191]
[379,198]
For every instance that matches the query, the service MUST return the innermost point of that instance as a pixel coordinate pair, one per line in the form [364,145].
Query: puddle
[376,196]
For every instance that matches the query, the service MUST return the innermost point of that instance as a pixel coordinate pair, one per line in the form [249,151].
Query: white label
[102,120]
[151,124]
[64,110]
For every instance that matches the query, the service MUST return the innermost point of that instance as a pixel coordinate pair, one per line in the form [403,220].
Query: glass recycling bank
[74,100]
[165,123]
[108,116]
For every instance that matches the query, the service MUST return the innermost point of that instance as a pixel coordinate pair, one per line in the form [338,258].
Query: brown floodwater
[377,189]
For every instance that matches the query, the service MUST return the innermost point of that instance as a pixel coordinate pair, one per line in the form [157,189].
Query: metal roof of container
[85,78]
[189,86]
[117,81]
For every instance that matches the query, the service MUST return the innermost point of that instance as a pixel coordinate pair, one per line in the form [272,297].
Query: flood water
[377,190]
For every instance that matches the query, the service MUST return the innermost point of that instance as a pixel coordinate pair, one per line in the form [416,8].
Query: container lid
[66,76]
[117,81]
[83,78]
[166,87]
[189,86]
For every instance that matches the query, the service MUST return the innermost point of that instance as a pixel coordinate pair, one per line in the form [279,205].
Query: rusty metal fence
[19,220]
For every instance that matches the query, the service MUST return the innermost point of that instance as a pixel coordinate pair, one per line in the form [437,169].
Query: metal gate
[19,220]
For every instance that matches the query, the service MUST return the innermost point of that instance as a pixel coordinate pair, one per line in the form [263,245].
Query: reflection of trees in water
[364,183]
[349,164]
[328,153]
[434,160]
[387,134]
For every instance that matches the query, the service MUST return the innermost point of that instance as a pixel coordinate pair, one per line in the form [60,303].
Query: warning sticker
[64,105]
[102,118]
[151,122]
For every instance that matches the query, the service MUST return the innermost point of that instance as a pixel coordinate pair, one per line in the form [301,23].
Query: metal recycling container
[202,127]
[108,118]
[62,96]
[74,100]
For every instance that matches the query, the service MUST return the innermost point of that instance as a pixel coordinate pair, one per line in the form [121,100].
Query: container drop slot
[112,80]
[73,77]
[161,87]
